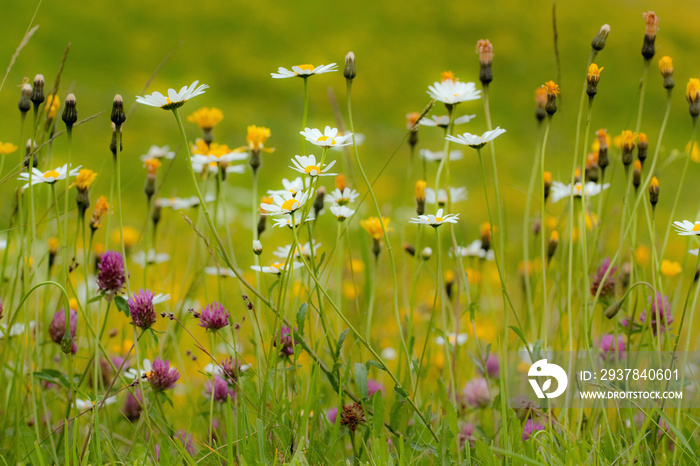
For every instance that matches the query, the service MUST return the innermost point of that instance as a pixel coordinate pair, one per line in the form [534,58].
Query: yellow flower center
[167,99]
[325,139]
[277,266]
[438,219]
[696,227]
[306,67]
[578,189]
[290,205]
[51,174]
[312,170]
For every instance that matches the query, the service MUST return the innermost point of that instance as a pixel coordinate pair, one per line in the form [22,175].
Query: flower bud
[30,153]
[25,102]
[652,23]
[318,202]
[666,69]
[38,96]
[692,95]
[642,147]
[350,72]
[552,245]
[598,42]
[155,215]
[613,309]
[412,126]
[420,196]
[426,253]
[70,112]
[540,103]
[409,249]
[449,282]
[628,141]
[485,51]
[118,115]
[257,247]
[547,180]
[552,93]
[603,160]
[654,192]
[637,174]
[113,143]
[340,183]
[486,236]
[592,79]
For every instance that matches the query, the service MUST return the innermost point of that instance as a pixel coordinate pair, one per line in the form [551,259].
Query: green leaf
[122,305]
[341,339]
[401,391]
[96,298]
[519,333]
[378,416]
[398,419]
[361,378]
[377,365]
[301,317]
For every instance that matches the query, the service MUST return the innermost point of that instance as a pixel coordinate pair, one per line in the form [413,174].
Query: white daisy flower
[443,121]
[475,141]
[277,268]
[283,251]
[341,212]
[474,250]
[453,92]
[174,99]
[140,258]
[215,369]
[560,190]
[456,195]
[307,164]
[329,137]
[219,272]
[213,168]
[344,197]
[293,186]
[89,404]
[232,156]
[17,329]
[685,228]
[693,252]
[437,156]
[453,338]
[287,221]
[389,353]
[179,203]
[50,177]
[155,152]
[435,220]
[133,373]
[303,71]
[286,203]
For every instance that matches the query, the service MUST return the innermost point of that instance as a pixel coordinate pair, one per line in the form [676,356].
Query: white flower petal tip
[476,141]
[174,99]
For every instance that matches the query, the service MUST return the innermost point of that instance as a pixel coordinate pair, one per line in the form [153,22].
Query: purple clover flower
[531,426]
[162,377]
[612,346]
[111,277]
[607,287]
[141,309]
[222,390]
[660,314]
[214,316]
[476,393]
[58,327]
[285,342]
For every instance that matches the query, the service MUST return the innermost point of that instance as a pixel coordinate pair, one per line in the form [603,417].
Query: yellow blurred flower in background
[670,268]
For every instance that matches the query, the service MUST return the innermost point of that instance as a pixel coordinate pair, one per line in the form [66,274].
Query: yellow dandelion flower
[152,166]
[601,137]
[340,182]
[594,71]
[206,118]
[73,304]
[412,120]
[666,66]
[53,245]
[591,221]
[357,266]
[473,276]
[695,153]
[52,106]
[84,179]
[541,97]
[552,88]
[131,236]
[641,254]
[257,136]
[420,190]
[98,249]
[628,139]
[448,76]
[692,93]
[7,148]
[670,268]
[373,226]
[349,290]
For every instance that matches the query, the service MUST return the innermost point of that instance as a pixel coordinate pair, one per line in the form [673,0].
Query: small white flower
[287,221]
[219,271]
[453,338]
[179,203]
[140,259]
[287,203]
[456,195]
[229,157]
[50,177]
[389,353]
[134,373]
[693,252]
[476,141]
[303,71]
[89,404]
[174,99]
[155,152]
[341,212]
[283,251]
[257,247]
[475,249]
[277,268]
[686,228]
[359,140]
[437,156]
[307,165]
[560,190]
[293,186]
[329,137]
[213,168]
[435,220]
[16,330]
[444,120]
[426,253]
[344,197]
[453,92]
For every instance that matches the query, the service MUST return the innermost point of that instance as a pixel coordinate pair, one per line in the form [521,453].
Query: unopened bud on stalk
[485,51]
[376,248]
[340,182]
[613,309]
[552,245]
[38,96]
[70,112]
[598,42]
[25,102]
[652,22]
[257,247]
[552,93]
[152,166]
[666,68]
[155,215]
[350,72]
[486,236]
[318,202]
[547,180]
[603,160]
[426,253]
[592,169]
[637,175]
[654,192]
[118,115]
[53,250]
[642,146]
[113,142]
[540,103]
[409,249]
[412,126]
[628,142]
[30,153]
[449,283]
[592,78]
[692,95]
[420,196]
[536,226]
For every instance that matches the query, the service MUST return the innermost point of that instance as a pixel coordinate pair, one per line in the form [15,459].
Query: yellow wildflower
[670,268]
[206,118]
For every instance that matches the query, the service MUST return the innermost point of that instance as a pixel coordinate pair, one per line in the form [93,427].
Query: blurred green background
[401,48]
